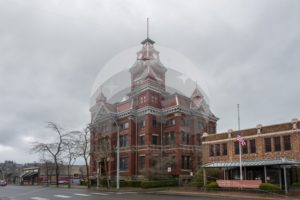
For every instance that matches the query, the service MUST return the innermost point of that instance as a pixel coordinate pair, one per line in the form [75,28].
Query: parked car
[3,183]
[63,182]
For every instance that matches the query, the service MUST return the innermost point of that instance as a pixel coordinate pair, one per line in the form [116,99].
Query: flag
[241,140]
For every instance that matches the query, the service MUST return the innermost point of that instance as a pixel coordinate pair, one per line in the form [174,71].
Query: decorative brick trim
[259,127]
[294,122]
[252,136]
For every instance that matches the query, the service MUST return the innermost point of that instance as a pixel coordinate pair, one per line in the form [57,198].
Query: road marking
[98,193]
[38,198]
[83,195]
[129,192]
[62,196]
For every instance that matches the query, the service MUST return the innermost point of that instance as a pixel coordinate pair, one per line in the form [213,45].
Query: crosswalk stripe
[38,198]
[98,193]
[83,195]
[62,196]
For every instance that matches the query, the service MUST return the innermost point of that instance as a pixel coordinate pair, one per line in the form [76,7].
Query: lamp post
[118,154]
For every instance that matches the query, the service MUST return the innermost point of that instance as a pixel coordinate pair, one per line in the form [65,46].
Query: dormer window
[154,99]
[142,99]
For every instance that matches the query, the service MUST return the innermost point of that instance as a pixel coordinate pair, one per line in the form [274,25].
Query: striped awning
[250,163]
[29,174]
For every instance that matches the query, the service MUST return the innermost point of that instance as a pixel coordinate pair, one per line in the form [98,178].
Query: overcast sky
[51,52]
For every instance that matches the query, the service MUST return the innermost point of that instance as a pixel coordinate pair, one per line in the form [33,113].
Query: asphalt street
[12,192]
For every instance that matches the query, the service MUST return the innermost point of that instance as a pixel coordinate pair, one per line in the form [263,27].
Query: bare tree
[71,152]
[104,153]
[48,167]
[83,148]
[54,149]
[160,167]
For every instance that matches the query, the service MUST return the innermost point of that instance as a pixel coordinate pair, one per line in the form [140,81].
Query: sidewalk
[231,194]
[192,191]
[187,191]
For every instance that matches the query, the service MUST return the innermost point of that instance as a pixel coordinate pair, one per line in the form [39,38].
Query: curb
[224,194]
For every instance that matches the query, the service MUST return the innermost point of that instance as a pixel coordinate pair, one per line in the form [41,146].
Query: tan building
[271,153]
[76,173]
[38,173]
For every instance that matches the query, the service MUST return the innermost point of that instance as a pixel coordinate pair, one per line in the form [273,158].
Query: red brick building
[160,132]
[271,152]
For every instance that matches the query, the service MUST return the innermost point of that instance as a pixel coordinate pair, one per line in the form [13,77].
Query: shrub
[126,183]
[198,180]
[214,174]
[83,182]
[130,183]
[269,187]
[211,185]
[296,184]
[135,183]
[159,183]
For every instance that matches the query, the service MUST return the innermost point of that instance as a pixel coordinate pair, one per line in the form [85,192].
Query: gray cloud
[51,51]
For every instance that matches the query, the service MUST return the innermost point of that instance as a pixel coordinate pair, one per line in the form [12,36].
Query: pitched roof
[147,40]
[183,101]
[196,93]
[148,72]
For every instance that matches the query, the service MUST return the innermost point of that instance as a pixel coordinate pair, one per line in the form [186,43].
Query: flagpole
[240,145]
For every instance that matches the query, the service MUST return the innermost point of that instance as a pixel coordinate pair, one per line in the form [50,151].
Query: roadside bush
[269,187]
[211,185]
[296,184]
[103,182]
[135,183]
[83,182]
[127,183]
[198,179]
[159,183]
[214,174]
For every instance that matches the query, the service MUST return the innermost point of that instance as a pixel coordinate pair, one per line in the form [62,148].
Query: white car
[3,183]
[63,182]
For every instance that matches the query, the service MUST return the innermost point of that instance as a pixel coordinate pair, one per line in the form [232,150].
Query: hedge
[269,187]
[159,183]
[130,183]
[127,183]
[211,185]
[296,184]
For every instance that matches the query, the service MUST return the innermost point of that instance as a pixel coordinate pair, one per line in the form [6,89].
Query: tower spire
[147,27]
[101,97]
[147,37]
[148,40]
